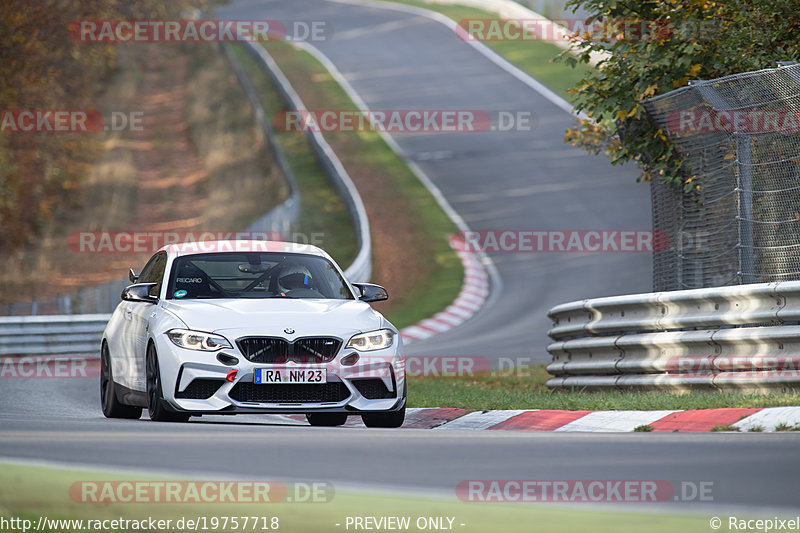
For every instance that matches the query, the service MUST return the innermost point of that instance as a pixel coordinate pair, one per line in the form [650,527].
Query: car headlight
[198,340]
[373,340]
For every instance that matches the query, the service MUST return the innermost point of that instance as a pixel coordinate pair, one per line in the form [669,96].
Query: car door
[139,314]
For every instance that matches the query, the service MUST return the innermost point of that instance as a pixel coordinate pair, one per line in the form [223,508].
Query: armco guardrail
[267,132]
[361,268]
[744,337]
[52,335]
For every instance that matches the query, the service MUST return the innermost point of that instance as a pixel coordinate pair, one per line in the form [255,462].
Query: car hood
[270,317]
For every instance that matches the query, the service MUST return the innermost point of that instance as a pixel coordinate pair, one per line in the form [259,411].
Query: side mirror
[371,292]
[131,276]
[139,292]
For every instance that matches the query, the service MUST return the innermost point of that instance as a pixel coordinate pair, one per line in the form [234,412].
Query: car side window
[153,272]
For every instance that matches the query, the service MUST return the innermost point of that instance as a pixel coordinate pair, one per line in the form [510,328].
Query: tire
[392,419]
[111,406]
[326,419]
[156,405]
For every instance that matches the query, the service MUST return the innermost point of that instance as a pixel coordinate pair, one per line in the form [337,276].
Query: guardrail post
[744,185]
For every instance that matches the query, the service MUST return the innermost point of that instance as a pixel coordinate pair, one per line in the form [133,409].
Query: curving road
[520,180]
[65,425]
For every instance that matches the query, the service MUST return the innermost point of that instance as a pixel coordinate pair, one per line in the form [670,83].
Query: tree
[43,68]
[657,46]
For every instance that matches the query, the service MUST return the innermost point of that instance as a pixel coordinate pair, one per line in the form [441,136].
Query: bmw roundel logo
[288,331]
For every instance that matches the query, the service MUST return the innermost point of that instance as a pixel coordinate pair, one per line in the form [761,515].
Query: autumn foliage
[693,39]
[42,68]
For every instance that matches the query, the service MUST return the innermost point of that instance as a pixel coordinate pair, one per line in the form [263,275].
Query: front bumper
[195,382]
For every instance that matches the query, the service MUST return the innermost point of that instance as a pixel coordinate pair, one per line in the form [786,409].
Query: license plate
[289,375]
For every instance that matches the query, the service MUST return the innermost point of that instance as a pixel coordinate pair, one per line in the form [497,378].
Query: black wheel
[326,419]
[112,407]
[156,406]
[393,419]
[385,420]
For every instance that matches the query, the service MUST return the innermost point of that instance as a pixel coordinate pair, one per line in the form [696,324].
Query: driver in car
[295,278]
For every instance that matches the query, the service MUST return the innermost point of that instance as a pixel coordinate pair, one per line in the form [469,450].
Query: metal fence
[740,136]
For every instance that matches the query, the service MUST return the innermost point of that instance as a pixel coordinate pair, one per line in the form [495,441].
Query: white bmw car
[231,327]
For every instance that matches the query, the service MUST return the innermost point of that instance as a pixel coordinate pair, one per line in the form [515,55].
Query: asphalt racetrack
[63,423]
[509,180]
[517,180]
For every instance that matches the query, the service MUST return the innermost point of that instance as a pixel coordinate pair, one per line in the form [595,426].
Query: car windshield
[256,275]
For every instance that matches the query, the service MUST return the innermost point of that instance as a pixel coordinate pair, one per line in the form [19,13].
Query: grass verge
[499,391]
[243,183]
[524,388]
[30,492]
[321,209]
[411,254]
[533,57]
